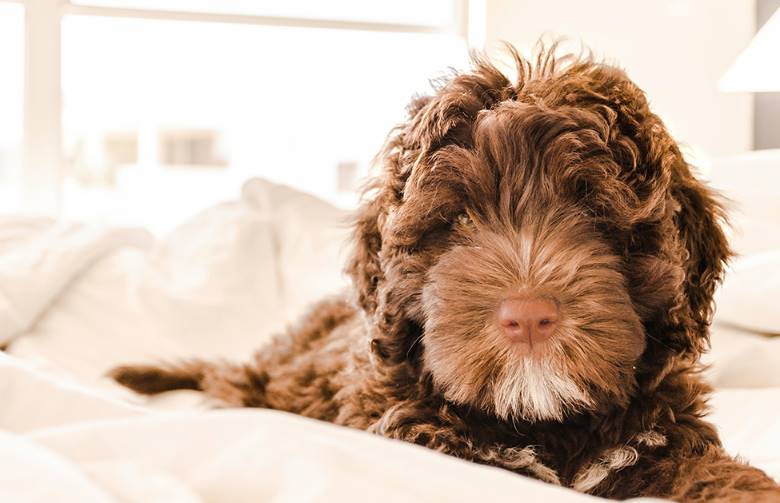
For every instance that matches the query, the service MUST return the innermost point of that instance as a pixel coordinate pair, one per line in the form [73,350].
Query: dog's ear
[700,246]
[698,218]
[691,236]
[380,194]
[373,232]
[363,265]
[673,199]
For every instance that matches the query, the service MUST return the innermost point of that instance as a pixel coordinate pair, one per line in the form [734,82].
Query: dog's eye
[463,220]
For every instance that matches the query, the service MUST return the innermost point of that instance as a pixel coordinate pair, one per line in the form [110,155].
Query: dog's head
[538,248]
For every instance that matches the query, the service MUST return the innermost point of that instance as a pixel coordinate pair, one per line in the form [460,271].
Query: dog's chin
[536,389]
[532,389]
[511,381]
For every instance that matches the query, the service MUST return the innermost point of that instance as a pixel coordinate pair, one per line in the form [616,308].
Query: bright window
[168,106]
[209,105]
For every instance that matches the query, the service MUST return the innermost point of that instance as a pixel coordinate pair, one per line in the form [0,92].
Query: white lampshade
[757,69]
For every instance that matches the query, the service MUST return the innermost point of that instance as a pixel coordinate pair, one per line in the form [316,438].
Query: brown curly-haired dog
[533,275]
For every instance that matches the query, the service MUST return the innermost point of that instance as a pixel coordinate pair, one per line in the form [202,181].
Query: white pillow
[218,286]
[748,298]
[212,286]
[750,183]
[740,359]
[225,281]
[312,242]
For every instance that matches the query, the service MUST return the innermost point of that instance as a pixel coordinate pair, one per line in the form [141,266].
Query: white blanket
[72,444]
[63,442]
[77,300]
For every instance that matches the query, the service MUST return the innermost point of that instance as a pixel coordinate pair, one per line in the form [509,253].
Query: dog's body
[533,282]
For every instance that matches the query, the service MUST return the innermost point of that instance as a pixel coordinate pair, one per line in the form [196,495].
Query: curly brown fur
[560,185]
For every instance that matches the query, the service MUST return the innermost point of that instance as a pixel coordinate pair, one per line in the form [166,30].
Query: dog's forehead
[529,156]
[521,144]
[501,174]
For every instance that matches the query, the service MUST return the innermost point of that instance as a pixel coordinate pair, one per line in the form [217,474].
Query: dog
[532,287]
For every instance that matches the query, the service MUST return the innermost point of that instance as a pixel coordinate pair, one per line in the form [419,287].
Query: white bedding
[72,443]
[79,300]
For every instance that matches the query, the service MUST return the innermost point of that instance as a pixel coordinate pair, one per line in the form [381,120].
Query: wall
[676,50]
[767,105]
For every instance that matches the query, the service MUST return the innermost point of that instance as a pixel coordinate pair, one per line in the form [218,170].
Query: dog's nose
[529,321]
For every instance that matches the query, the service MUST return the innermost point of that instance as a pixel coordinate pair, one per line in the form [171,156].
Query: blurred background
[142,112]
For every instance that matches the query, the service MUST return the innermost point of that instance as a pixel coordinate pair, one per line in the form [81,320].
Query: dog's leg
[231,384]
[715,476]
[711,475]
